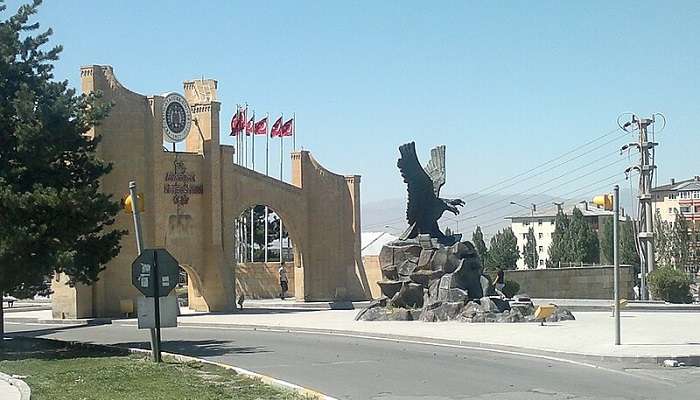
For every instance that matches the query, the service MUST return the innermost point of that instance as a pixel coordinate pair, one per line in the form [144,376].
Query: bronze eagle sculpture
[425,206]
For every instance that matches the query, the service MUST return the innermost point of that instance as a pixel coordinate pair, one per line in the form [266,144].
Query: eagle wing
[436,168]
[421,194]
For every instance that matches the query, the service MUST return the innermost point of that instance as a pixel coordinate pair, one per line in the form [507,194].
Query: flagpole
[267,145]
[266,232]
[294,131]
[281,153]
[253,139]
[252,234]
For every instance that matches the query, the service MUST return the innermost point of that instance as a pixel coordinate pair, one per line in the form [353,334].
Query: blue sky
[505,85]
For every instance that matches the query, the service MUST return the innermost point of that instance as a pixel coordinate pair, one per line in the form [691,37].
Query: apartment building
[681,197]
[543,224]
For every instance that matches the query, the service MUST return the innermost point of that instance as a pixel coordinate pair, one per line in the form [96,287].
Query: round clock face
[177,118]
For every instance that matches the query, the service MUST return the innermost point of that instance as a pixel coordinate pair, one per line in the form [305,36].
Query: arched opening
[188,290]
[262,245]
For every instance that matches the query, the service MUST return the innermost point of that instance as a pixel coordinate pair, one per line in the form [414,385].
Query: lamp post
[532,209]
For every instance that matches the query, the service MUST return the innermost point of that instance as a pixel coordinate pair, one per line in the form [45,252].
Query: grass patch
[58,371]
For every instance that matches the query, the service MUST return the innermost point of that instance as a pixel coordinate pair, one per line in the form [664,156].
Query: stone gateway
[192,198]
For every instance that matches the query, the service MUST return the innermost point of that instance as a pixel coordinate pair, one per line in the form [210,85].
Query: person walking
[284,282]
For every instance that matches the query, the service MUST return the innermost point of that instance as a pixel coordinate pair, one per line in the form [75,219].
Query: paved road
[364,369]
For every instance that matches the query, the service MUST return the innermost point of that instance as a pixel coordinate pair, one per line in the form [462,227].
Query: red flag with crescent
[287,128]
[276,128]
[260,127]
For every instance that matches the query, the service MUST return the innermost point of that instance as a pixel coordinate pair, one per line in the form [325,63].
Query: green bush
[670,285]
[511,288]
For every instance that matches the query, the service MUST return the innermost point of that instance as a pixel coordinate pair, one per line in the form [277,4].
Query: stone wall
[573,283]
[260,280]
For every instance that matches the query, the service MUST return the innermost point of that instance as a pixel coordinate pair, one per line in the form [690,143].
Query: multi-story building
[681,197]
[543,224]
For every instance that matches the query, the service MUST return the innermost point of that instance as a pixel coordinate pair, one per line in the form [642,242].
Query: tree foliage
[530,255]
[503,251]
[627,247]
[672,242]
[53,217]
[573,240]
[480,245]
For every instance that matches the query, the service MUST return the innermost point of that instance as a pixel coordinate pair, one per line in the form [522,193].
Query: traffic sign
[158,265]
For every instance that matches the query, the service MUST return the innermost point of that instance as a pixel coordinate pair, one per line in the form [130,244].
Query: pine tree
[573,240]
[681,242]
[503,252]
[480,245]
[627,247]
[53,217]
[663,245]
[530,256]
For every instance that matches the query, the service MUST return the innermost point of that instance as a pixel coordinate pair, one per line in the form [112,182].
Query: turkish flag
[288,128]
[237,122]
[250,126]
[260,127]
[276,128]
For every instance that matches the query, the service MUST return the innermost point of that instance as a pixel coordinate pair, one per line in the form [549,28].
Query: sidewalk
[13,389]
[645,336]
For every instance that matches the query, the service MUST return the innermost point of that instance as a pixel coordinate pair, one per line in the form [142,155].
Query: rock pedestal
[428,281]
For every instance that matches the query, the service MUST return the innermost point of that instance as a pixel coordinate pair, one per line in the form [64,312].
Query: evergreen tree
[53,217]
[480,245]
[663,244]
[627,247]
[503,251]
[559,250]
[530,256]
[573,240]
[681,242]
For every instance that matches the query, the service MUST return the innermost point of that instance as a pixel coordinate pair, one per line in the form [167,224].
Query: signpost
[154,273]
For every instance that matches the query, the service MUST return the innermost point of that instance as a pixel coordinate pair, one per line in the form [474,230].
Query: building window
[670,210]
[685,210]
[685,195]
[540,249]
[526,223]
[551,222]
[697,209]
[539,222]
[540,235]
[672,196]
[524,235]
[541,262]
[696,194]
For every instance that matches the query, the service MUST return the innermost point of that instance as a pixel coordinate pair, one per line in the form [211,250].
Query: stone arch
[194,289]
[293,220]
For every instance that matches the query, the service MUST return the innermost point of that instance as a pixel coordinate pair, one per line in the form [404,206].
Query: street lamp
[532,208]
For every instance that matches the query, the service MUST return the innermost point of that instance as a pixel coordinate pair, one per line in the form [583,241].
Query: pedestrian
[241,299]
[284,282]
[500,282]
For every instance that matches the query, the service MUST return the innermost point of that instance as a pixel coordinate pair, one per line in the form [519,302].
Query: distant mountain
[486,210]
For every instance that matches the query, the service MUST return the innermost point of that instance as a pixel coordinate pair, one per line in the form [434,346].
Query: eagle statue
[425,206]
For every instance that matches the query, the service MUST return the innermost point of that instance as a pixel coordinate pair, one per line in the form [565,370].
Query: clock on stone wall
[177,118]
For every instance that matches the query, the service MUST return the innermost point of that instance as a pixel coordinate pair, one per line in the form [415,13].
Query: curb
[183,358]
[690,360]
[24,392]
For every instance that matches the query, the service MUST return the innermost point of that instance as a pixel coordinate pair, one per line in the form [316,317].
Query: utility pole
[646,170]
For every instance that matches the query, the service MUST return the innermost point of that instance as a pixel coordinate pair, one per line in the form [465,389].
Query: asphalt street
[361,368]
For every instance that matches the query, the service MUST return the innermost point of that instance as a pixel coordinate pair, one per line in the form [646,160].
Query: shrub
[670,285]
[511,288]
